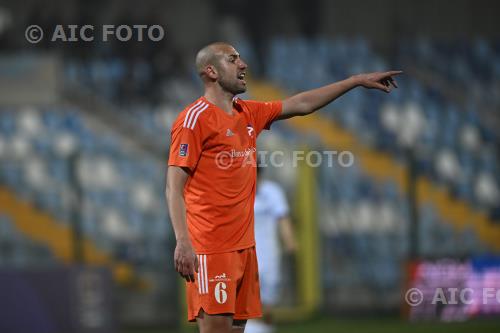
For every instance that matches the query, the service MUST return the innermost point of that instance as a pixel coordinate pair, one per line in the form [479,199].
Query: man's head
[221,64]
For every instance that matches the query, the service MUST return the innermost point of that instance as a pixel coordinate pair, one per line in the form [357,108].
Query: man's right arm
[186,262]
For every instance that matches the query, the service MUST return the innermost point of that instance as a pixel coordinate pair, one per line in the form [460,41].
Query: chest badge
[250,130]
[229,132]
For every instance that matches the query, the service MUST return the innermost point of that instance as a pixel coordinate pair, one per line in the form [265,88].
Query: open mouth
[241,77]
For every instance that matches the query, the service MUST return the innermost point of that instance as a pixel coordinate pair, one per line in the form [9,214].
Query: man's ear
[211,72]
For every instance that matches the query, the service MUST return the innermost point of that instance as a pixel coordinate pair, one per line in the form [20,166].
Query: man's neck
[223,99]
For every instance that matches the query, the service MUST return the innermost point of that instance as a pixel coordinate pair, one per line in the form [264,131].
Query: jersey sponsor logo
[250,129]
[183,151]
[229,132]
[242,153]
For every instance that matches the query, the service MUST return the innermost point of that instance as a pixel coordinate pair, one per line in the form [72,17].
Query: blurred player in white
[272,222]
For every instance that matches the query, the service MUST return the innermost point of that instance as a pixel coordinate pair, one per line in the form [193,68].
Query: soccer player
[211,184]
[272,223]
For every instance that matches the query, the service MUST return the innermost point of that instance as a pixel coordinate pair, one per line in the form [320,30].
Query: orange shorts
[226,283]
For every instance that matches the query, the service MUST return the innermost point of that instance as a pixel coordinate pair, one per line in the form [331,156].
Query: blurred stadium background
[85,241]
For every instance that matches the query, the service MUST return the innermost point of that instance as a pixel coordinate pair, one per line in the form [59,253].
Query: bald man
[211,180]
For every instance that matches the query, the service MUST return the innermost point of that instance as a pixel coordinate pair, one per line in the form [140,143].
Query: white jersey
[270,206]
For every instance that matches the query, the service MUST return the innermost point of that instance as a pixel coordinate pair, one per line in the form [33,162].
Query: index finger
[393,73]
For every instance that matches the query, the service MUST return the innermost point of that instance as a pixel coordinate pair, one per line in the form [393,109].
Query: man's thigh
[221,323]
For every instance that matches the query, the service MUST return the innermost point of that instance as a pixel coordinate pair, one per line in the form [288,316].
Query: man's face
[231,70]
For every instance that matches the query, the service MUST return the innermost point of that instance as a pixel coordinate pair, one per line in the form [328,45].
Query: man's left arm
[309,101]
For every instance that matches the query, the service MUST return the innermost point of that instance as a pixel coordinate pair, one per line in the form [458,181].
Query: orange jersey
[220,152]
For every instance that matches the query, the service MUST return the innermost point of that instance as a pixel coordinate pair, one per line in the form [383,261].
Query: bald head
[210,55]
[220,67]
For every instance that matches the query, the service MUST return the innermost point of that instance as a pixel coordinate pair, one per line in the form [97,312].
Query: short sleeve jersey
[220,152]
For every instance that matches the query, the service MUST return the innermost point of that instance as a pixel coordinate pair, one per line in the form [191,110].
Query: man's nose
[242,65]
